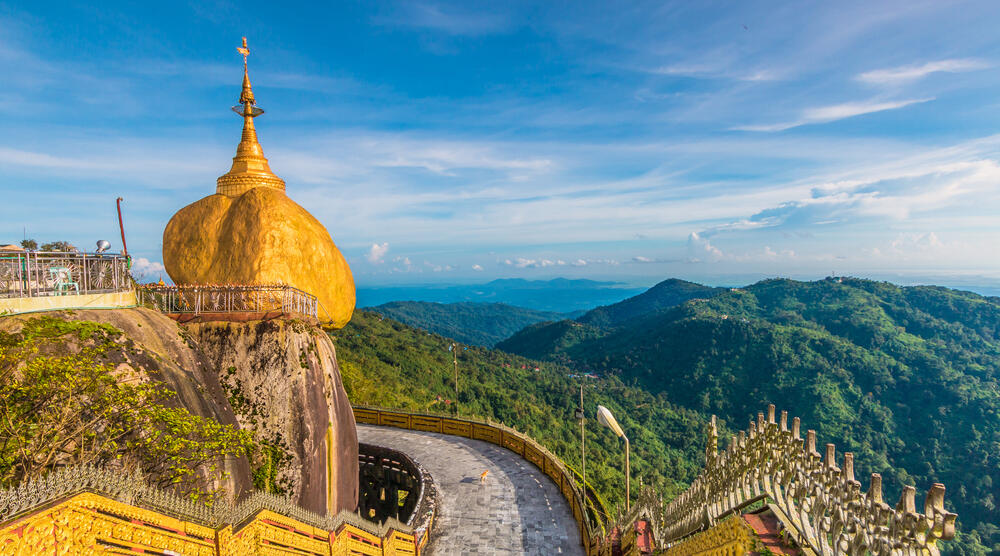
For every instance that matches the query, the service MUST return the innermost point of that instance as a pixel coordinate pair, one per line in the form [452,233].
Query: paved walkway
[518,511]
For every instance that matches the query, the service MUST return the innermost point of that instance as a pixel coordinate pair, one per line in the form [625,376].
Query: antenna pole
[121,226]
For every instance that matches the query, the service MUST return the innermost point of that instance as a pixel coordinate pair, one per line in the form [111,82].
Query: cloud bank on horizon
[451,141]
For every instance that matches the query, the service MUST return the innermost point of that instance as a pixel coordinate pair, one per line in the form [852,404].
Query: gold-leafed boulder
[251,232]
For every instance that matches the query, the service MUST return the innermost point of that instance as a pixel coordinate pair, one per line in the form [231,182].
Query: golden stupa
[251,232]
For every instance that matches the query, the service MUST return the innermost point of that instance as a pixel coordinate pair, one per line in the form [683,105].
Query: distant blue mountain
[560,295]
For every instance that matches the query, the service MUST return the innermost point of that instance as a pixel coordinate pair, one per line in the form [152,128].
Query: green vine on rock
[62,403]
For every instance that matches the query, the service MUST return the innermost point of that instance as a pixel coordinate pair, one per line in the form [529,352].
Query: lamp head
[605,418]
[103,245]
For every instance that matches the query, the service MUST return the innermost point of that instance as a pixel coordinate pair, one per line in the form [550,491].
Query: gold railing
[731,536]
[819,502]
[84,510]
[591,527]
[228,298]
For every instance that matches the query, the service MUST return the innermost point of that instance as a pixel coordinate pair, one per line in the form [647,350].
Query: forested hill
[389,364]
[547,340]
[481,324]
[907,378]
[664,295]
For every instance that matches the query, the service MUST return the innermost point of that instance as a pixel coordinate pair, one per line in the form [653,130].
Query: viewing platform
[229,302]
[42,281]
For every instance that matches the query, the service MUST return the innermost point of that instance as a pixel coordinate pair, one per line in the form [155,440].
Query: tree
[62,404]
[60,246]
[29,244]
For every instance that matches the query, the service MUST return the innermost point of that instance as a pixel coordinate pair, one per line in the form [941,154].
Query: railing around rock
[253,300]
[87,509]
[41,274]
[819,502]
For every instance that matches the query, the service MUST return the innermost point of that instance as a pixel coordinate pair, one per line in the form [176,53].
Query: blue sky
[457,142]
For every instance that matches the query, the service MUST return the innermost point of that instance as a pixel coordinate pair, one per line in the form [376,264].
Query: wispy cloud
[826,114]
[453,20]
[717,71]
[905,74]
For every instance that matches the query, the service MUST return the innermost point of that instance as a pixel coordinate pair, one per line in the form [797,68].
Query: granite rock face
[283,382]
[279,379]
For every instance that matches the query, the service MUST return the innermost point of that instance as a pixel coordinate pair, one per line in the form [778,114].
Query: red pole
[121,226]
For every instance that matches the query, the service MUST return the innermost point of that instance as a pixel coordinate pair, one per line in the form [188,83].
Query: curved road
[518,511]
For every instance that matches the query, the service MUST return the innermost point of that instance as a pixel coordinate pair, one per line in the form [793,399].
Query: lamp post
[454,353]
[583,442]
[605,417]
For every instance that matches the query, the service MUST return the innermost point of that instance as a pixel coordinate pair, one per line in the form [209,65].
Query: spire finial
[245,52]
[246,97]
[250,168]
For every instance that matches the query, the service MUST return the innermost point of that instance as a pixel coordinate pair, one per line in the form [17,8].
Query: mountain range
[560,295]
[906,378]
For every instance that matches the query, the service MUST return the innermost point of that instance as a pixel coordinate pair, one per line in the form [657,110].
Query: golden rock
[251,232]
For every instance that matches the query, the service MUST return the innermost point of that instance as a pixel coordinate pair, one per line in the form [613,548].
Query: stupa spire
[250,168]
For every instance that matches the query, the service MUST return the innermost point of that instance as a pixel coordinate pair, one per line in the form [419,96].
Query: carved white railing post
[821,502]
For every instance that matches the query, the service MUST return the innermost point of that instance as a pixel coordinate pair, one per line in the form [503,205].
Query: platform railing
[228,298]
[44,273]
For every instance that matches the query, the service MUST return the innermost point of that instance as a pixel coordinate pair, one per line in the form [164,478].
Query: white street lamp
[605,418]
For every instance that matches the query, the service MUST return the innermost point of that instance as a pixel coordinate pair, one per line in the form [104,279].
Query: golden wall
[90,523]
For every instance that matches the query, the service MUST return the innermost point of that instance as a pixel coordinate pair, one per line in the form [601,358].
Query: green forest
[481,324]
[905,377]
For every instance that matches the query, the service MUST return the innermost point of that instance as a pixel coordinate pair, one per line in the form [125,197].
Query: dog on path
[482,477]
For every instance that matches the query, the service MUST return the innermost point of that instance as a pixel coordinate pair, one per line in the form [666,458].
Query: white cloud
[642,259]
[438,268]
[144,269]
[521,262]
[477,268]
[700,249]
[905,243]
[377,252]
[903,74]
[826,114]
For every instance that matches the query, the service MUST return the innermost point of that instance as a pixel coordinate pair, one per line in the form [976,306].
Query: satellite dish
[103,245]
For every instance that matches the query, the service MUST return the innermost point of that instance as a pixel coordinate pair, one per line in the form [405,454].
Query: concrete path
[518,511]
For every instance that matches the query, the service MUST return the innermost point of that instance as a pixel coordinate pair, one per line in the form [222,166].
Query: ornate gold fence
[228,298]
[819,502]
[85,510]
